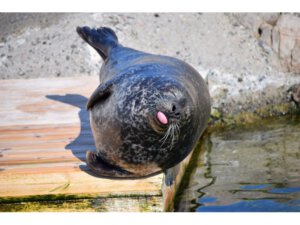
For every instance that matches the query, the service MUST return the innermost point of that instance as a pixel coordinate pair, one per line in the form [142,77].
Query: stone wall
[278,33]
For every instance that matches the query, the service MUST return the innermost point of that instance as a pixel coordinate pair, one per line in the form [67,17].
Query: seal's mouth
[156,125]
[162,118]
[168,128]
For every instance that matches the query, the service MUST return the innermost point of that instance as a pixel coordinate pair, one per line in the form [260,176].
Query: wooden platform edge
[172,194]
[85,203]
[169,192]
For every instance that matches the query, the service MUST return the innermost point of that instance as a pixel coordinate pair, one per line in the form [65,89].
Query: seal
[148,112]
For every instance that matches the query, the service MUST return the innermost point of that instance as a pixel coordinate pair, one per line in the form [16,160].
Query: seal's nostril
[173,108]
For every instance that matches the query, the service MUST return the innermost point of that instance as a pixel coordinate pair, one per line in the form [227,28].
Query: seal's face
[169,114]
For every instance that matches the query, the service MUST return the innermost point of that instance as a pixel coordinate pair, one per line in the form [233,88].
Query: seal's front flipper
[102,39]
[103,169]
[102,92]
[169,177]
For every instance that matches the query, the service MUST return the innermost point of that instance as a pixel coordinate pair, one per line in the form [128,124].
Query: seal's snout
[175,110]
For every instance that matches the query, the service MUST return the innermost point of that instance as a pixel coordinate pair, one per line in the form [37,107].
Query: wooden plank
[74,182]
[44,101]
[44,133]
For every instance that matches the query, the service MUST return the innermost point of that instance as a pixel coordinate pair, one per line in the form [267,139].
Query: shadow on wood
[44,135]
[84,141]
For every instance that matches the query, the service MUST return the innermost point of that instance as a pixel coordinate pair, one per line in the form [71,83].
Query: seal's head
[169,114]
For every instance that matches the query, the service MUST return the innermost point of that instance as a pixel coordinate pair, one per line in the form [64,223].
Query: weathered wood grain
[44,133]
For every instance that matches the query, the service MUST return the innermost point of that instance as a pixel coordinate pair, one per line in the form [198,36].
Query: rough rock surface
[240,55]
[278,33]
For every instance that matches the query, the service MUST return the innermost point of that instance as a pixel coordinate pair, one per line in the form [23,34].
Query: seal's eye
[162,118]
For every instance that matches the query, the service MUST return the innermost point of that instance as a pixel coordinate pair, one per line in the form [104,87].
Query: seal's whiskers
[165,137]
[171,133]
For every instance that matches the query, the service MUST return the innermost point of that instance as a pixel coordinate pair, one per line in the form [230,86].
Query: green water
[247,170]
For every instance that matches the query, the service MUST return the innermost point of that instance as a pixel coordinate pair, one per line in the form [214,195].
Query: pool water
[247,170]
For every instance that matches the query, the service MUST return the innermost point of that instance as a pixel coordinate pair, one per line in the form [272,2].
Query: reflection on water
[253,170]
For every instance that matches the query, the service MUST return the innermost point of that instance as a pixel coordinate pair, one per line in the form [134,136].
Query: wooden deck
[44,134]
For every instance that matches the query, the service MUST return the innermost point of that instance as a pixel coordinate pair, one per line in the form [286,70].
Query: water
[249,170]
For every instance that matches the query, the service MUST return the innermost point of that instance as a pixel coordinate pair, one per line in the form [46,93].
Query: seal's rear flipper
[102,39]
[102,169]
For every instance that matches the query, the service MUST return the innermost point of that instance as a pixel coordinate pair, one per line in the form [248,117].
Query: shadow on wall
[84,141]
